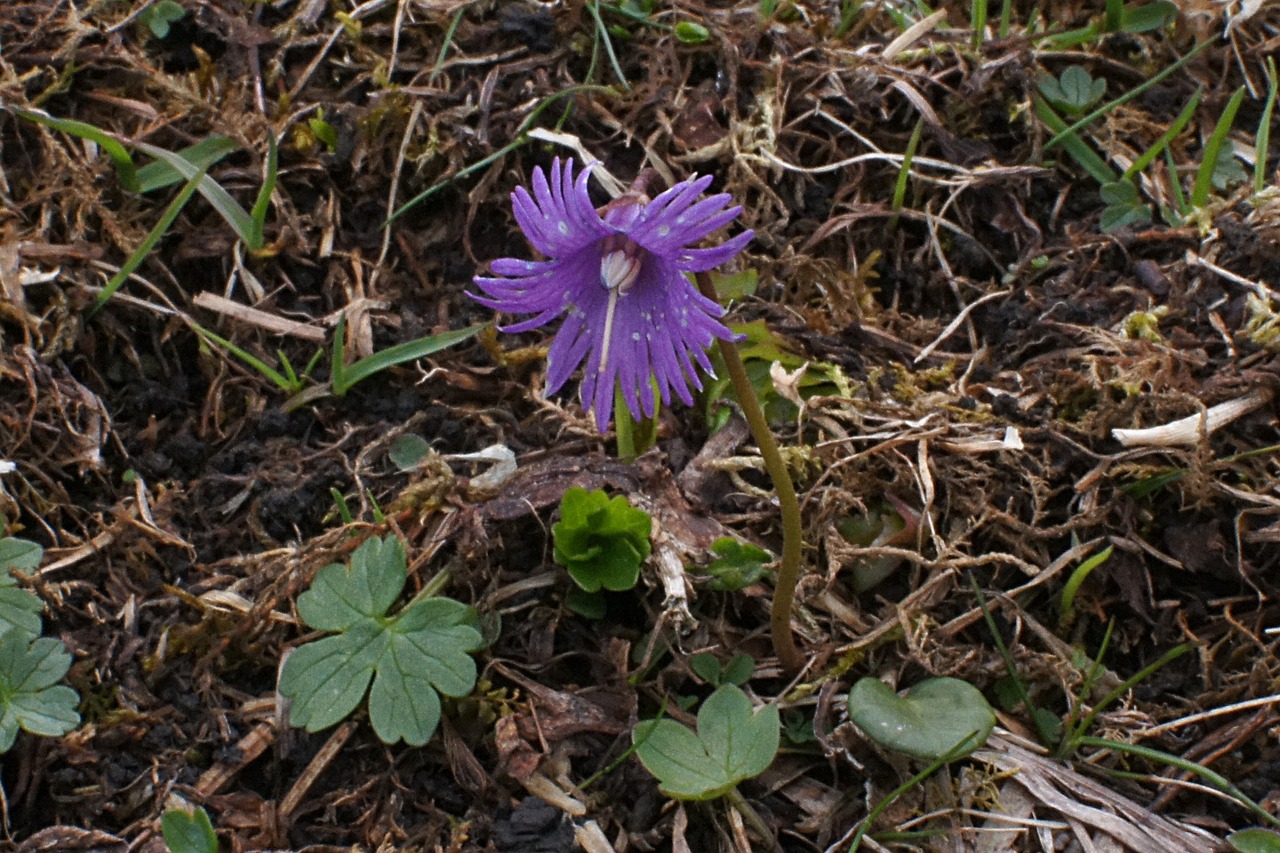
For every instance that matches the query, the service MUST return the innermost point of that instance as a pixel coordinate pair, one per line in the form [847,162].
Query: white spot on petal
[563,227]
[664,230]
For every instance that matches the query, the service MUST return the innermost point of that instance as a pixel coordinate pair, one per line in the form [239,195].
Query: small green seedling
[734,742]
[1074,91]
[1066,605]
[737,671]
[1255,840]
[188,831]
[1123,206]
[687,32]
[937,717]
[737,565]
[345,376]
[19,609]
[410,657]
[601,541]
[30,697]
[159,17]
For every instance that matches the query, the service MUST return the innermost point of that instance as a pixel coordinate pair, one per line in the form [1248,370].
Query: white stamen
[608,328]
[618,270]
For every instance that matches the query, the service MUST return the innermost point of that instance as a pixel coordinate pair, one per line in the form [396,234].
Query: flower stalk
[784,591]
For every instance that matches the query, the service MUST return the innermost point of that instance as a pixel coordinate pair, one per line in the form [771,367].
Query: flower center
[620,263]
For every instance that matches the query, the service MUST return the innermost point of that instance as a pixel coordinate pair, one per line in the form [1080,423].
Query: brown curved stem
[784,592]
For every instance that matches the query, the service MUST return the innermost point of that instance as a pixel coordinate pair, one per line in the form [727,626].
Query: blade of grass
[1263,138]
[227,207]
[258,216]
[978,21]
[602,37]
[1077,736]
[203,154]
[1075,146]
[904,173]
[867,822]
[1114,16]
[448,43]
[1175,184]
[281,381]
[1128,96]
[1209,158]
[149,242]
[113,147]
[1165,138]
[1215,779]
[1066,606]
[346,376]
[1046,736]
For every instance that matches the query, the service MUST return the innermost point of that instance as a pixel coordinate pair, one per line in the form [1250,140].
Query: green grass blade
[1217,780]
[113,147]
[1165,138]
[1263,138]
[1075,146]
[444,47]
[978,21]
[349,375]
[140,254]
[904,173]
[202,155]
[281,381]
[602,35]
[1130,95]
[1175,184]
[258,215]
[1209,159]
[1078,736]
[221,200]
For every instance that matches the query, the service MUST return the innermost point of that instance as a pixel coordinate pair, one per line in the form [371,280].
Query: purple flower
[619,277]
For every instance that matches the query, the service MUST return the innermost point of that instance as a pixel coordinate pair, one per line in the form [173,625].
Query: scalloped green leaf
[734,742]
[19,609]
[601,541]
[30,697]
[409,659]
[930,721]
[188,832]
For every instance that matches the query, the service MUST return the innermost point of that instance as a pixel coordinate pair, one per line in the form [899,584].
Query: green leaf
[188,832]
[929,722]
[738,564]
[30,696]
[410,658]
[1255,841]
[1123,206]
[690,33]
[203,155]
[601,541]
[1074,91]
[110,144]
[230,210]
[161,15]
[1152,16]
[733,743]
[739,669]
[408,450]
[19,609]
[340,596]
[706,667]
[346,376]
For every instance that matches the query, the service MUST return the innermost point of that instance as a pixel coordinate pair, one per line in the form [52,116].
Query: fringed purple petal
[701,260]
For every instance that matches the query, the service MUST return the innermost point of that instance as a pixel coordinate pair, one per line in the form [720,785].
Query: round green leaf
[1254,841]
[930,721]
